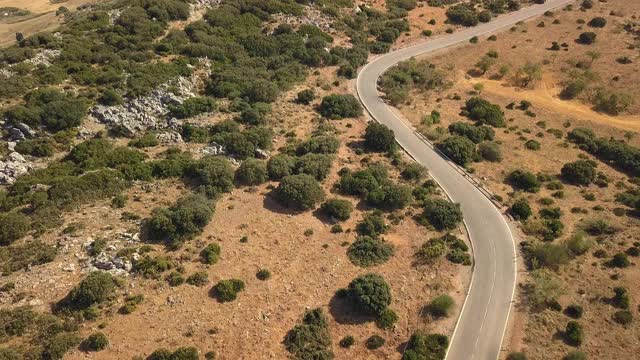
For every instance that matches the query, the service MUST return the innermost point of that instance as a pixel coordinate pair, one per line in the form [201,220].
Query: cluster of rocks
[13,166]
[311,16]
[150,112]
[20,132]
[169,138]
[108,260]
[44,57]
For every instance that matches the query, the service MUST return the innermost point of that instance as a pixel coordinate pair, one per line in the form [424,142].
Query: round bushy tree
[581,172]
[13,226]
[301,191]
[523,180]
[252,172]
[521,210]
[369,251]
[587,38]
[442,214]
[379,137]
[370,294]
[96,288]
[441,306]
[340,106]
[598,22]
[306,96]
[280,166]
[96,342]
[574,333]
[459,149]
[337,209]
[227,290]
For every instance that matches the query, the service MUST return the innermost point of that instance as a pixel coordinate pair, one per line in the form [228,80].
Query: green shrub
[368,251]
[372,225]
[306,96]
[462,14]
[390,197]
[96,342]
[337,209]
[379,137]
[442,214]
[180,222]
[413,172]
[587,38]
[175,279]
[532,145]
[490,151]
[441,305]
[619,260]
[17,257]
[316,165]
[147,140]
[210,254]
[252,172]
[578,244]
[520,209]
[13,226]
[581,172]
[523,180]
[199,278]
[575,355]
[95,288]
[212,175]
[310,339]
[477,134]
[321,144]
[426,346]
[459,149]
[484,112]
[41,147]
[280,166]
[574,311]
[620,298]
[192,107]
[299,191]
[263,274]
[516,356]
[340,106]
[387,319]
[227,290]
[597,22]
[347,341]
[574,333]
[375,342]
[370,294]
[623,317]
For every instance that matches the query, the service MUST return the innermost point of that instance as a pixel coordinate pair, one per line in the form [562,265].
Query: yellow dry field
[43,18]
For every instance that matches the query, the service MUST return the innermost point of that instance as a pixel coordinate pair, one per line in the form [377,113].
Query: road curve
[485,313]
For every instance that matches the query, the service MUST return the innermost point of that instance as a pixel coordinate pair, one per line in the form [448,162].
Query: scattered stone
[213,149]
[12,167]
[262,154]
[169,138]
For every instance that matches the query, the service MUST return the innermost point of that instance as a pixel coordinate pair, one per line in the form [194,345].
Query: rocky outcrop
[12,167]
[150,112]
[169,138]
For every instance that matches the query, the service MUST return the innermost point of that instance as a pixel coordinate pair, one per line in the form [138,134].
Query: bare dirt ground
[587,281]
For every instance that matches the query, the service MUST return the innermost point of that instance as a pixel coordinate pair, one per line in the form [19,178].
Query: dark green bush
[623,317]
[462,14]
[337,209]
[521,210]
[299,191]
[310,339]
[212,175]
[199,278]
[192,107]
[574,333]
[252,172]
[95,288]
[182,221]
[340,106]
[426,346]
[347,341]
[598,22]
[369,251]
[263,274]
[41,147]
[574,311]
[279,166]
[390,197]
[374,342]
[227,290]
[523,180]
[490,151]
[372,224]
[379,137]
[13,226]
[442,214]
[370,294]
[387,319]
[516,356]
[175,279]
[580,172]
[575,355]
[96,342]
[459,149]
[316,165]
[210,254]
[413,171]
[321,144]
[587,38]
[477,134]
[484,112]
[306,96]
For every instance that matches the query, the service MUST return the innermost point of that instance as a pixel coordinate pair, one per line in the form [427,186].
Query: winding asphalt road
[485,313]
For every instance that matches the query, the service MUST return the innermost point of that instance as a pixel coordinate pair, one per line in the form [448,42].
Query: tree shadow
[475,73]
[270,203]
[344,312]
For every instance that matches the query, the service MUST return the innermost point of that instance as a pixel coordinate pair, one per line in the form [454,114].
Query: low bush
[347,341]
[301,191]
[211,176]
[13,226]
[192,107]
[210,254]
[372,224]
[369,251]
[337,209]
[306,96]
[180,222]
[484,112]
[574,333]
[311,338]
[523,180]
[442,214]
[379,137]
[520,209]
[574,311]
[199,279]
[441,306]
[623,317]
[227,290]
[251,172]
[387,319]
[459,149]
[340,106]
[490,151]
[95,288]
[263,274]
[426,346]
[370,294]
[581,172]
[587,38]
[96,342]
[375,342]
[279,166]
